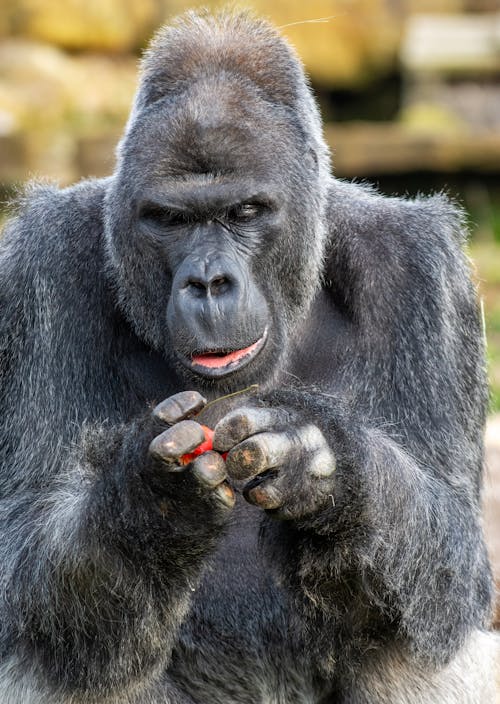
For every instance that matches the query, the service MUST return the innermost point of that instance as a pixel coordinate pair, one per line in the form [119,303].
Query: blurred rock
[95,156]
[425,116]
[449,105]
[108,25]
[358,40]
[437,6]
[52,99]
[34,82]
[13,159]
[450,6]
[452,44]
[370,149]
[451,65]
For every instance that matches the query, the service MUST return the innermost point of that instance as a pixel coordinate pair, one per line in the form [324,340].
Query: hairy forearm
[392,543]
[98,571]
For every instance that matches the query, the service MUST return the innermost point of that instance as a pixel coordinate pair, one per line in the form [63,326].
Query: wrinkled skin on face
[207,209]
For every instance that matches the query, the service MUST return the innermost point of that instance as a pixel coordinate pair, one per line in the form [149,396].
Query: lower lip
[218,366]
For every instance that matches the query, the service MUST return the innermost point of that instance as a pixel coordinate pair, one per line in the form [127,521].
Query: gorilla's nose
[208,293]
[207,277]
[217,284]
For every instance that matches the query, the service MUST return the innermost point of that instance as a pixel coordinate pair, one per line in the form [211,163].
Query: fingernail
[209,469]
[225,495]
[182,405]
[244,462]
[267,497]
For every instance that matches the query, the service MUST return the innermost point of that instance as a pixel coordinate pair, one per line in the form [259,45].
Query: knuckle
[231,429]
[265,495]
[323,463]
[209,469]
[238,425]
[179,406]
[246,459]
[225,495]
[178,440]
[245,422]
[311,438]
[278,447]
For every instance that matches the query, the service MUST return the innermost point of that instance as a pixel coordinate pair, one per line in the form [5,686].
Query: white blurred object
[452,43]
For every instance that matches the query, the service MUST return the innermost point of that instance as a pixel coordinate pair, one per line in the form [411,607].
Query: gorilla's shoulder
[433,220]
[54,229]
[405,249]
[52,254]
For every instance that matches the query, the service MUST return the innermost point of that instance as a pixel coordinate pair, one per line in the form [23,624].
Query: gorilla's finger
[209,469]
[322,463]
[176,441]
[241,423]
[258,453]
[225,494]
[289,493]
[311,444]
[179,407]
[310,438]
[265,495]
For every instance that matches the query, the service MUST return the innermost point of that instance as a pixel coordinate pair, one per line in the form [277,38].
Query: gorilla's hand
[184,435]
[288,462]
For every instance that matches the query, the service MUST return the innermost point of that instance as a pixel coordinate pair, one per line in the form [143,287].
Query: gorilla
[327,547]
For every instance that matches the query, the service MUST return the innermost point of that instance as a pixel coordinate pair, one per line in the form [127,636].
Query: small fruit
[205,446]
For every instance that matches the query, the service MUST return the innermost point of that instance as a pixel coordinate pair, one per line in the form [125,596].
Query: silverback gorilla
[334,555]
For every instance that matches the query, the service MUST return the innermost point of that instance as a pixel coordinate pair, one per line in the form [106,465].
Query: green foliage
[486,256]
[495,225]
[493,337]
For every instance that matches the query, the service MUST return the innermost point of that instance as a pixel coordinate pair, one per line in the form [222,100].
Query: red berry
[205,446]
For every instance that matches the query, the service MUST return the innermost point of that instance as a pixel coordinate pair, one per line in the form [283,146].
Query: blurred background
[409,89]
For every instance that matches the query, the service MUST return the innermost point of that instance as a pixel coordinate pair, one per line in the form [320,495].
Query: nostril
[196,287]
[199,287]
[219,285]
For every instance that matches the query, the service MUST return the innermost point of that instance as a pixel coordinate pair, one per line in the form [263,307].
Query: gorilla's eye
[159,217]
[245,211]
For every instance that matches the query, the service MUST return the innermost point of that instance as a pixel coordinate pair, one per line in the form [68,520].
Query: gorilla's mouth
[218,362]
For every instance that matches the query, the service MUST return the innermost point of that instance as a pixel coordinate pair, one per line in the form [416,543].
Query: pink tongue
[214,361]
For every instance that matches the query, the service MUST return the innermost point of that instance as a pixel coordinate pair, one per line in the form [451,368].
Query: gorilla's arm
[390,542]
[392,548]
[101,546]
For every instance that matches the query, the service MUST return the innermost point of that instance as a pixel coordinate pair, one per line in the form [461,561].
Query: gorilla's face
[215,233]
[210,233]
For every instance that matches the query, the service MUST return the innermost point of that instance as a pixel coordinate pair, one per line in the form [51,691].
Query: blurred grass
[485,251]
[486,256]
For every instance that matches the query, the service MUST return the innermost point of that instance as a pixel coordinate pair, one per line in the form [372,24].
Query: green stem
[249,389]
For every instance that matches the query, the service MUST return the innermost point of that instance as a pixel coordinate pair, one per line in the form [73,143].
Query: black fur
[124,582]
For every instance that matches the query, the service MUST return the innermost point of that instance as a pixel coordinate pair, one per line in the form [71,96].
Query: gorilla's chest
[238,644]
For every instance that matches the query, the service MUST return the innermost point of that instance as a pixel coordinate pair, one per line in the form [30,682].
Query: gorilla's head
[215,213]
